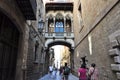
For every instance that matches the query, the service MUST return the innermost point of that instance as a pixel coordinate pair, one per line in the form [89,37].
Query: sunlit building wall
[65,56]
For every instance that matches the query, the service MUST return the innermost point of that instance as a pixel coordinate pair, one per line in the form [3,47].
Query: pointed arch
[50,16]
[50,23]
[68,16]
[59,16]
[68,25]
[59,23]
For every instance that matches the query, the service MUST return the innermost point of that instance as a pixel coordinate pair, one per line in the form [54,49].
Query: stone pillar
[54,23]
[47,61]
[46,26]
[72,60]
[64,24]
[71,25]
[44,63]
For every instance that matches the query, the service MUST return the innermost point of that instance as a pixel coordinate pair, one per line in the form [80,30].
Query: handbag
[89,75]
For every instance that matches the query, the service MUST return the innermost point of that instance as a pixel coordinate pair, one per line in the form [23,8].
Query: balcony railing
[59,35]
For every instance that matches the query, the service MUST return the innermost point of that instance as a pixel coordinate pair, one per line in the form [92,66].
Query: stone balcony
[63,38]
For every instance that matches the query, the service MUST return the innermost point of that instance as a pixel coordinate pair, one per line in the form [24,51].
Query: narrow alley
[80,37]
[57,77]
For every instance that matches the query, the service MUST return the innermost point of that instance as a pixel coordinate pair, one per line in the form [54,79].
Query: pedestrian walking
[93,72]
[61,70]
[54,72]
[66,72]
[50,70]
[82,72]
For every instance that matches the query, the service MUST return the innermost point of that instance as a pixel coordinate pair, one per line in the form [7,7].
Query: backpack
[66,71]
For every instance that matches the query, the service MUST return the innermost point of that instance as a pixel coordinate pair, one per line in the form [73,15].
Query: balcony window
[59,27]
[51,27]
[68,24]
[68,28]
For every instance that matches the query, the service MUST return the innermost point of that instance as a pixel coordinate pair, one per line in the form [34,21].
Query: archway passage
[63,53]
[9,37]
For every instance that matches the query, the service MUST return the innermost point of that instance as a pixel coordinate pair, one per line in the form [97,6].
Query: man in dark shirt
[66,71]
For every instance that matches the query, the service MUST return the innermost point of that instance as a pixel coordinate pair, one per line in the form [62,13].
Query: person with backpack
[66,72]
[93,72]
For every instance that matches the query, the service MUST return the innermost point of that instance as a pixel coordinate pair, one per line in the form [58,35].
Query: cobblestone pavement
[57,77]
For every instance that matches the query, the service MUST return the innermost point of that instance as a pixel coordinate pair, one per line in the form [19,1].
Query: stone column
[71,25]
[64,24]
[46,26]
[54,23]
[72,60]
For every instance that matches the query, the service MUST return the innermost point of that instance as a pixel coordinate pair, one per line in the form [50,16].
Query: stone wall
[13,12]
[35,57]
[100,20]
[26,69]
[34,70]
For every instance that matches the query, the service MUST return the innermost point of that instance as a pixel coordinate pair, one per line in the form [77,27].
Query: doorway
[9,37]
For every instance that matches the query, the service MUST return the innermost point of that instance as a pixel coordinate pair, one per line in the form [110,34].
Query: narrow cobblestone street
[57,77]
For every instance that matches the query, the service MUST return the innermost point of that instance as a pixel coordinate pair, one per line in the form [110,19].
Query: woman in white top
[93,72]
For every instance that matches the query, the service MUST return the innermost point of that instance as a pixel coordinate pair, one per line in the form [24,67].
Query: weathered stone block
[114,52]
[118,38]
[114,43]
[118,75]
[117,59]
[115,67]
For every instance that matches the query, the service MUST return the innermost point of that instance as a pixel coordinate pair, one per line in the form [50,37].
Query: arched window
[59,24]
[68,24]
[50,24]
[59,27]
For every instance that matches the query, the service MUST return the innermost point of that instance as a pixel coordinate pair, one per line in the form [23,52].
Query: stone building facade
[97,32]
[65,56]
[21,45]
[59,25]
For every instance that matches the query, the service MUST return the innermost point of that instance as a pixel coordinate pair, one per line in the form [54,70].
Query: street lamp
[40,26]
